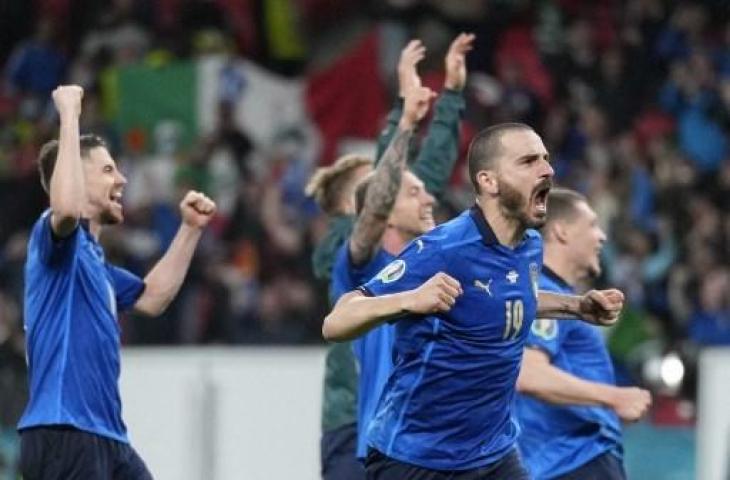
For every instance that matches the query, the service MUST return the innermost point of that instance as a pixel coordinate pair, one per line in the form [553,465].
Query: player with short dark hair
[462,298]
[569,408]
[72,426]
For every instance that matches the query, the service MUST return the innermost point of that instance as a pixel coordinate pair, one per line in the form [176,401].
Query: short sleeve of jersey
[128,287]
[50,248]
[547,335]
[417,263]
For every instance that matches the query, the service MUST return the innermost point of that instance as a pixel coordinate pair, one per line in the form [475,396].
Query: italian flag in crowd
[345,100]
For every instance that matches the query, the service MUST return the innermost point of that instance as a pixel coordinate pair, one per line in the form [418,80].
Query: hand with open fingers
[630,403]
[601,307]
[408,77]
[67,99]
[417,101]
[437,294]
[455,61]
[197,209]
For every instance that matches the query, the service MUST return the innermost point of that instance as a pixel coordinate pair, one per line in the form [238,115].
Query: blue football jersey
[556,440]
[73,338]
[373,350]
[447,404]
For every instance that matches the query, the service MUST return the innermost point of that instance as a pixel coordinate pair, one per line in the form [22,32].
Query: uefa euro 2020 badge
[392,272]
[534,274]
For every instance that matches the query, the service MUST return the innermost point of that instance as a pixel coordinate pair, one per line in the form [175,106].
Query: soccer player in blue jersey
[72,427]
[568,408]
[462,299]
[393,208]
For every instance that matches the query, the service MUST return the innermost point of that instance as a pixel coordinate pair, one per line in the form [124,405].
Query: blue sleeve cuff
[365,291]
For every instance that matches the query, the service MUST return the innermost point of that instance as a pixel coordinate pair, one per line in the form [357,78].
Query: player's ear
[487,181]
[559,231]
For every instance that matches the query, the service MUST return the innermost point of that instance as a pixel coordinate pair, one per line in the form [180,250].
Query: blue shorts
[380,467]
[61,452]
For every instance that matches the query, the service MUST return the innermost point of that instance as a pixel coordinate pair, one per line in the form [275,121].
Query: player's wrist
[407,301]
[406,123]
[69,115]
[455,85]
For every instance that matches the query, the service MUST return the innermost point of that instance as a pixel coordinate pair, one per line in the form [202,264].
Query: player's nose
[546,169]
[426,198]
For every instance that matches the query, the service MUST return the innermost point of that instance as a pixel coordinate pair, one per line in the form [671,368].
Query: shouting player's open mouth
[426,216]
[116,198]
[540,195]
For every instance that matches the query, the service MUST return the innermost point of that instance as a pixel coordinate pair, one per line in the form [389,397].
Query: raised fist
[67,99]
[197,209]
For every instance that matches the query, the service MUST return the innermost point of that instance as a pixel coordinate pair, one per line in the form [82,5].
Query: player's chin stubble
[514,206]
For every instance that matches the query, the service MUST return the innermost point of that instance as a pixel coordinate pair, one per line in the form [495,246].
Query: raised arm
[541,379]
[67,188]
[356,314]
[407,79]
[384,186]
[164,280]
[440,148]
[598,307]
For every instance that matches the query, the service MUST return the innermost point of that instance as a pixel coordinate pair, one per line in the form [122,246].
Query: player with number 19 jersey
[448,402]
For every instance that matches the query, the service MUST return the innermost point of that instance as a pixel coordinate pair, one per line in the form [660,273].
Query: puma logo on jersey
[484,286]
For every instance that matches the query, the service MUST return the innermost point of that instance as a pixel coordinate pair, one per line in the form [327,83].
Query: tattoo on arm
[379,200]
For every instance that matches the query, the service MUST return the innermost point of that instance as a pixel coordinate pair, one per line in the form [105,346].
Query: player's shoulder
[455,234]
[533,236]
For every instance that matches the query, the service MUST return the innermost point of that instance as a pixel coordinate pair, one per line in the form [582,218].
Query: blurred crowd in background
[242,99]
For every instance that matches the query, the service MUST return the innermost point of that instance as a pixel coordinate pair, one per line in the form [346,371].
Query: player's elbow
[523,383]
[330,328]
[529,383]
[152,303]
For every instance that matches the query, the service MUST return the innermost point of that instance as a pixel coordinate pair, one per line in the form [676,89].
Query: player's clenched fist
[67,99]
[197,209]
[438,294]
[602,307]
[630,403]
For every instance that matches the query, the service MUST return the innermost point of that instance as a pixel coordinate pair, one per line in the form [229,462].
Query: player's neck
[559,262]
[394,240]
[95,229]
[94,225]
[509,231]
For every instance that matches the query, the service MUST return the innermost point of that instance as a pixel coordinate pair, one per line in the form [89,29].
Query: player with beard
[462,299]
[72,426]
[569,408]
[332,187]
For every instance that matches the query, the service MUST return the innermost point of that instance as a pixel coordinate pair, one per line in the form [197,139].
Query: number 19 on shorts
[513,315]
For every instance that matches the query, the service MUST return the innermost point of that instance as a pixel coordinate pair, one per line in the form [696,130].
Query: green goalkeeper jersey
[433,164]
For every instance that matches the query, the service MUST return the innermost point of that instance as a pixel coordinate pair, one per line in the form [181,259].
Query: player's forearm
[165,279]
[355,314]
[557,305]
[67,187]
[386,135]
[379,199]
[553,385]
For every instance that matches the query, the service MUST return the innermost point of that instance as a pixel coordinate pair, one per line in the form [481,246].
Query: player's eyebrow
[534,156]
